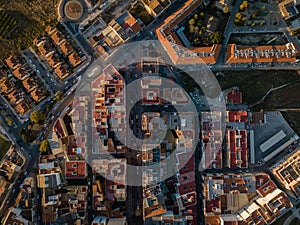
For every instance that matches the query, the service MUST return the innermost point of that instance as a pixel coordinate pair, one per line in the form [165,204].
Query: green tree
[9,121]
[202,14]
[242,7]
[192,29]
[37,117]
[58,96]
[45,146]
[226,9]
[216,38]
[25,137]
[192,21]
[199,23]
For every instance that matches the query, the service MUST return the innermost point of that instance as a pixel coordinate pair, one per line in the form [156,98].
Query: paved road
[38,66]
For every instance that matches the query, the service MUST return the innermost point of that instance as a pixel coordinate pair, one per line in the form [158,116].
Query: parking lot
[274,123]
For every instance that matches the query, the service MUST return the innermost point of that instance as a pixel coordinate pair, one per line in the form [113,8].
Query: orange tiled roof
[75,59]
[249,54]
[37,95]
[76,169]
[22,107]
[20,73]
[29,83]
[6,85]
[57,37]
[62,71]
[13,61]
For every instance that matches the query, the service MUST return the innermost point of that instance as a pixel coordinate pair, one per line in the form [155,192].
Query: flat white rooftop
[272,140]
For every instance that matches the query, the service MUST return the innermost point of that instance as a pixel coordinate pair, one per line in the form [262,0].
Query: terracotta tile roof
[29,84]
[267,188]
[76,169]
[54,61]
[6,85]
[20,73]
[50,29]
[236,142]
[15,96]
[66,47]
[22,108]
[234,97]
[213,220]
[58,37]
[62,71]
[258,54]
[46,49]
[237,116]
[37,95]
[154,211]
[39,40]
[74,59]
[108,90]
[13,61]
[133,24]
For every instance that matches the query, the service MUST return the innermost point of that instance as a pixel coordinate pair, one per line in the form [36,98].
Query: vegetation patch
[32,17]
[255,84]
[139,11]
[293,119]
[203,28]
[7,23]
[255,39]
[4,146]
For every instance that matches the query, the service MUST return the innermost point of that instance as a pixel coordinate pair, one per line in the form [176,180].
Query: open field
[4,146]
[255,84]
[294,120]
[32,17]
[287,97]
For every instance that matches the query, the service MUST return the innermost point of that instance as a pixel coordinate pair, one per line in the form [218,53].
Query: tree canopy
[9,121]
[216,38]
[45,146]
[37,117]
[58,96]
